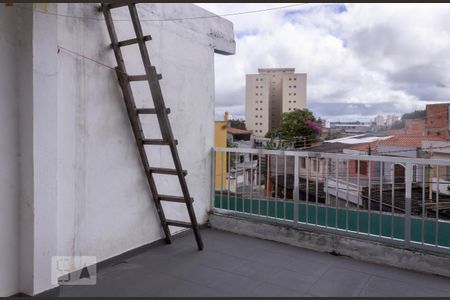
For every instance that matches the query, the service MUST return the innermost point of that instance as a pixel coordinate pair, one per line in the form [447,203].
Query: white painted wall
[9,151]
[86,192]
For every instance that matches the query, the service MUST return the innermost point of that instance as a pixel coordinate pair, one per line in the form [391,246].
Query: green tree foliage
[299,123]
[240,124]
[417,114]
[398,124]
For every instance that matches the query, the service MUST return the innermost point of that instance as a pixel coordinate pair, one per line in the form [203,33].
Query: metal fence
[403,201]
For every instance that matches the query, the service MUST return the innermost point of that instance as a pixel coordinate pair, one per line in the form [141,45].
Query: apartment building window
[290,86]
[260,102]
[295,86]
[257,79]
[289,109]
[256,94]
[295,101]
[302,162]
[290,79]
[295,94]
[289,101]
[260,116]
[256,116]
[289,95]
[295,78]
[260,123]
[260,94]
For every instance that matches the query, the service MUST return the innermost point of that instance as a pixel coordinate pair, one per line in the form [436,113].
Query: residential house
[236,135]
[412,127]
[438,149]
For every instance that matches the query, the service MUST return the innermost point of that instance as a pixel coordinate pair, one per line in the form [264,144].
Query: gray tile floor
[234,265]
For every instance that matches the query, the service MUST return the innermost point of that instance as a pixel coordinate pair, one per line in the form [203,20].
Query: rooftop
[237,131]
[235,265]
[409,140]
[264,70]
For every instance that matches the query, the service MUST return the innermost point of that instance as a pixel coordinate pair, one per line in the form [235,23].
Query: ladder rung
[137,77]
[117,5]
[156,142]
[113,5]
[140,77]
[133,41]
[166,171]
[169,198]
[179,223]
[149,111]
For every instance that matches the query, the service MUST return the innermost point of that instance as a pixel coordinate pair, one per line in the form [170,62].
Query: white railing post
[295,192]
[408,194]
[213,178]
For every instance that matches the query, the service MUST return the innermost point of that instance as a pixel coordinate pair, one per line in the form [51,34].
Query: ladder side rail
[163,118]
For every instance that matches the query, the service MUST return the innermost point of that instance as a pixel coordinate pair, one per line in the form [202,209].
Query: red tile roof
[413,141]
[238,131]
[409,140]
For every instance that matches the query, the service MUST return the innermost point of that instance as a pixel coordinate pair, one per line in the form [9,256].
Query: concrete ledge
[359,249]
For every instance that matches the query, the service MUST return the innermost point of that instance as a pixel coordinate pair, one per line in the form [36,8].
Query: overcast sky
[361,59]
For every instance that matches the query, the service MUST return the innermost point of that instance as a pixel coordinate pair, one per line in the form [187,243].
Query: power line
[171,19]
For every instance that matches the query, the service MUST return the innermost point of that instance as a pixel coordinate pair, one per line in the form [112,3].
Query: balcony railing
[402,201]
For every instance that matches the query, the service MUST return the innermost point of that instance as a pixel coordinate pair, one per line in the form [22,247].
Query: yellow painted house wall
[220,140]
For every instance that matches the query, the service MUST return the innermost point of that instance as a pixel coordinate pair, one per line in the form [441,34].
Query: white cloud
[361,59]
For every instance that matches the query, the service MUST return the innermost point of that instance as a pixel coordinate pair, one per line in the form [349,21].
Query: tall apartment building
[379,120]
[270,93]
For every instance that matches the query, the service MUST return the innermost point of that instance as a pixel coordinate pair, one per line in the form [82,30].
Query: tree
[297,124]
[239,124]
[400,124]
[417,114]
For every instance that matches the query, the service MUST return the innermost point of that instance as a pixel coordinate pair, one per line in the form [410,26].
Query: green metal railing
[381,224]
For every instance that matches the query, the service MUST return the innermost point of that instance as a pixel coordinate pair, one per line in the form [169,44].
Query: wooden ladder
[161,113]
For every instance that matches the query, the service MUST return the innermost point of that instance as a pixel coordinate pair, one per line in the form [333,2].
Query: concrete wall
[220,140]
[356,248]
[9,152]
[438,123]
[79,176]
